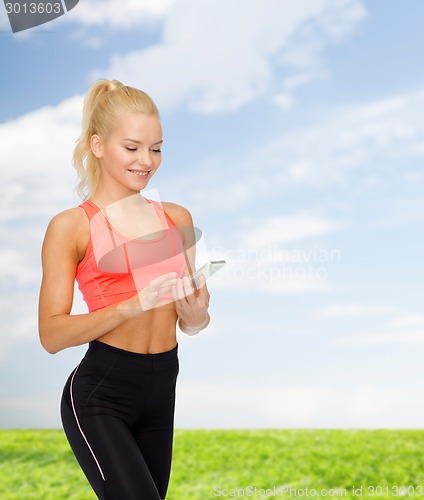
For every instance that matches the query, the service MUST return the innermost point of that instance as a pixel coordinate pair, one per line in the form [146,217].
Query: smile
[140,173]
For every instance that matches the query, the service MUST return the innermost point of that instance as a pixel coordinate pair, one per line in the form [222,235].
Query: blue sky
[294,134]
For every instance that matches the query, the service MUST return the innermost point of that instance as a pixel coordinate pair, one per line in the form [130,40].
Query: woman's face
[130,156]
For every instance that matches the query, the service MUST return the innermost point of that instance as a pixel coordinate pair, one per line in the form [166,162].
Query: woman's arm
[58,329]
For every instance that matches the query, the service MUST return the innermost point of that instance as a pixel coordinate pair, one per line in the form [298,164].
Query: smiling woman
[129,161]
[131,258]
[106,102]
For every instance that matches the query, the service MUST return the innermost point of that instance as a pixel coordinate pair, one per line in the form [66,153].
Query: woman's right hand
[149,297]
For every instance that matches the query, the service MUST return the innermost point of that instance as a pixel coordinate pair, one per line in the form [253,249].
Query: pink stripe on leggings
[79,427]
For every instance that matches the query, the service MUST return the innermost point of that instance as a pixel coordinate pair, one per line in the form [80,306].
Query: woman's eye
[132,149]
[157,150]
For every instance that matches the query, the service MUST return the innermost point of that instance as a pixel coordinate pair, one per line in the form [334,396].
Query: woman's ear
[96,145]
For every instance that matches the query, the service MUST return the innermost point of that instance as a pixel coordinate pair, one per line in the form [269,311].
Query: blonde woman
[117,406]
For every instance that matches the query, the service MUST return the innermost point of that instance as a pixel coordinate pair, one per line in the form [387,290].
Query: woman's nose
[144,158]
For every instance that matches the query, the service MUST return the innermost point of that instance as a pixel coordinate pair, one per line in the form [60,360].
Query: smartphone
[207,270]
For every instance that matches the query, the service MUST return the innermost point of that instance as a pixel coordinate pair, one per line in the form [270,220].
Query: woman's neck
[128,199]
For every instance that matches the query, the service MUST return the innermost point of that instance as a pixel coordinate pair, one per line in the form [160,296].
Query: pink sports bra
[116,267]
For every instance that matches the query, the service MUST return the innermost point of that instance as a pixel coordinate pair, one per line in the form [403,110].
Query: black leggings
[117,411]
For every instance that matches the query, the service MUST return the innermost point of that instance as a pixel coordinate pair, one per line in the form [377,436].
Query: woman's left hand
[191,307]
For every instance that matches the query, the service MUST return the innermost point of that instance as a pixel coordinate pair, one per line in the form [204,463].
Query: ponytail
[103,101]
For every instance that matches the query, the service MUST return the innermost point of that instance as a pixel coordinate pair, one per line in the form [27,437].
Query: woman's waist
[152,332]
[124,362]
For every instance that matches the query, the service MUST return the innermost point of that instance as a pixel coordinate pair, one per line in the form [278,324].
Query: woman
[117,406]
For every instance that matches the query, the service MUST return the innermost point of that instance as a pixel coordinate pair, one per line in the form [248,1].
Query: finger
[203,290]
[174,293]
[176,290]
[202,281]
[160,280]
[180,290]
[188,289]
[165,289]
[157,288]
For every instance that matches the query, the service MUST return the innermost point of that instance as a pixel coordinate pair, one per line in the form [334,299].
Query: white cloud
[36,175]
[21,235]
[407,330]
[296,406]
[123,14]
[37,178]
[218,57]
[316,156]
[362,149]
[283,100]
[4,20]
[368,136]
[20,275]
[354,310]
[283,229]
[36,182]
[402,330]
[103,14]
[44,411]
[15,267]
[410,321]
[19,320]
[44,140]
[398,337]
[301,281]
[213,405]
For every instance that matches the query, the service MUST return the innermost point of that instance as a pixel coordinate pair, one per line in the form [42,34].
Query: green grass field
[230,464]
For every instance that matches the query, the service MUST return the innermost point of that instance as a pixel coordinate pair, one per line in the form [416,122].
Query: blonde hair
[105,99]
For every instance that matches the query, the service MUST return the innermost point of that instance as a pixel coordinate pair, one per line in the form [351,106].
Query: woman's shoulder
[68,230]
[69,218]
[179,214]
[68,224]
